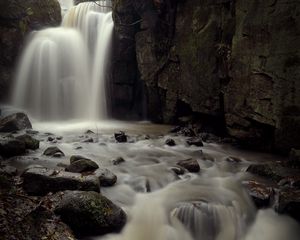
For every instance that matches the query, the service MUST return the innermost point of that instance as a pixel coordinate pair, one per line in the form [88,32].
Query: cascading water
[62,71]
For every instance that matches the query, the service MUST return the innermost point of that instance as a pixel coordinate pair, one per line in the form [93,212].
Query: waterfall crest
[62,71]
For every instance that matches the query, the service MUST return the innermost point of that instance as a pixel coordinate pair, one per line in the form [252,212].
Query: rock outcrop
[231,61]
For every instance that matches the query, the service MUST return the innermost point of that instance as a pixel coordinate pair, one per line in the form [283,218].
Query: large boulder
[18,18]
[89,213]
[15,122]
[10,147]
[40,181]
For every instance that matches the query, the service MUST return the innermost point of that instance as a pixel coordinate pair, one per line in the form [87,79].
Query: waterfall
[62,71]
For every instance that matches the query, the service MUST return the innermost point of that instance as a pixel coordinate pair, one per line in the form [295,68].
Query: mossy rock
[89,213]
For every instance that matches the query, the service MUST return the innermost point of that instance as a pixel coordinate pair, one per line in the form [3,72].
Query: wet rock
[190,164]
[106,177]
[175,129]
[10,147]
[121,137]
[232,159]
[139,184]
[288,202]
[40,181]
[195,141]
[170,142]
[75,158]
[265,170]
[54,152]
[30,142]
[209,137]
[90,213]
[118,161]
[260,193]
[292,182]
[178,170]
[59,138]
[88,140]
[30,131]
[50,139]
[8,170]
[15,122]
[82,165]
[187,132]
[294,159]
[89,132]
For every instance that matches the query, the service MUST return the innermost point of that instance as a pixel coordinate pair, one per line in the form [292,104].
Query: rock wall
[17,19]
[234,61]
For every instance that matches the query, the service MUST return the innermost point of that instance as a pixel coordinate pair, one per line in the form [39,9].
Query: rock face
[15,122]
[90,213]
[229,60]
[17,19]
[40,181]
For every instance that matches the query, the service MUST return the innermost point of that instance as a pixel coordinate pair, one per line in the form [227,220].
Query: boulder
[288,202]
[265,170]
[10,147]
[195,141]
[40,181]
[121,137]
[170,142]
[189,164]
[82,165]
[106,177]
[15,122]
[89,213]
[30,142]
[54,152]
[260,193]
[118,161]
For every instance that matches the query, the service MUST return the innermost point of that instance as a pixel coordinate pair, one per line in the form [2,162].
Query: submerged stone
[118,161]
[89,213]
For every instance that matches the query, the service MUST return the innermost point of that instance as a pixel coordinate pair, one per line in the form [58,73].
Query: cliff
[234,63]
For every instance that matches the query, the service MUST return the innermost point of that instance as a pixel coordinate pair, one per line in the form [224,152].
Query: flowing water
[209,205]
[61,76]
[62,71]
